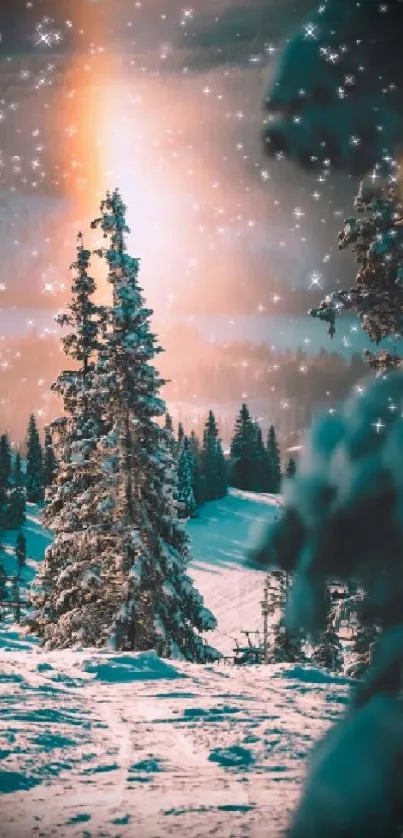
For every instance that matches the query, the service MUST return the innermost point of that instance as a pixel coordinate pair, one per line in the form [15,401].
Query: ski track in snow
[94,745]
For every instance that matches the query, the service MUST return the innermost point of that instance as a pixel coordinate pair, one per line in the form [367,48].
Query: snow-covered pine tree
[49,460]
[34,470]
[155,603]
[244,453]
[212,461]
[186,501]
[275,461]
[195,453]
[69,591]
[21,550]
[376,237]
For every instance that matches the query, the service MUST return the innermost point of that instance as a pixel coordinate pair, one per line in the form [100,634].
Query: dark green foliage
[264,468]
[248,459]
[85,319]
[15,510]
[3,578]
[212,462]
[275,461]
[12,498]
[291,468]
[329,652]
[375,236]
[5,473]
[186,501]
[5,463]
[49,461]
[287,646]
[18,475]
[364,640]
[181,436]
[34,472]
[21,550]
[168,423]
[120,576]
[195,453]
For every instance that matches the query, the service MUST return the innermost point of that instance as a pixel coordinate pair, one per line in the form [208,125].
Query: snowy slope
[99,745]
[219,539]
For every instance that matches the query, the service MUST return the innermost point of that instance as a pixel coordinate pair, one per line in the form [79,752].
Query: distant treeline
[200,374]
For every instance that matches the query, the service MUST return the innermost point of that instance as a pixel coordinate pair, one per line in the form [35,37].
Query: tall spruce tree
[212,461]
[5,474]
[5,464]
[181,437]
[34,470]
[71,578]
[17,472]
[17,500]
[275,461]
[195,453]
[187,507]
[262,469]
[12,497]
[246,457]
[133,592]
[168,423]
[49,462]
[159,606]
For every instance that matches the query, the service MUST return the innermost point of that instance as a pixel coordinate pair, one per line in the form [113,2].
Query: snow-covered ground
[94,744]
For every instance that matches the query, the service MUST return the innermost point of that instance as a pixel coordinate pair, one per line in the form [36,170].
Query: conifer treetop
[375,235]
[81,312]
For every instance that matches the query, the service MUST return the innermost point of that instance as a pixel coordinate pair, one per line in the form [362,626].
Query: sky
[164,101]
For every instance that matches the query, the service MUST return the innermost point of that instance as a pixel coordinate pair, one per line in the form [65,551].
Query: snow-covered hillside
[94,744]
